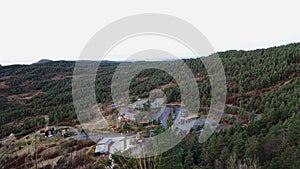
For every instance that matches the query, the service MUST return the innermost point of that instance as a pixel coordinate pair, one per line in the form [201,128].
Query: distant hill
[42,61]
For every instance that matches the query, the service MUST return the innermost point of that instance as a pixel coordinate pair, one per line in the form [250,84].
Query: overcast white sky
[58,30]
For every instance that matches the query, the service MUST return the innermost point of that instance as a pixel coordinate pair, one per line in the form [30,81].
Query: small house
[50,132]
[103,147]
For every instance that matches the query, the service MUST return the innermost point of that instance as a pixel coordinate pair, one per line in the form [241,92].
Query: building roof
[102,145]
[139,102]
[105,140]
[101,148]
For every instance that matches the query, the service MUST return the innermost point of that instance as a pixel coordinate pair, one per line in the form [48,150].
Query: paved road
[98,136]
[71,128]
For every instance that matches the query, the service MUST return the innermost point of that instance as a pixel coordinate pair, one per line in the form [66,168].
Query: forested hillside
[263,81]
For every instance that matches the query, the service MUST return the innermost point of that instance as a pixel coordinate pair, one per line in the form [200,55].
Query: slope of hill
[263,81]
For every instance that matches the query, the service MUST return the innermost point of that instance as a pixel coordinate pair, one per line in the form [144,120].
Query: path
[46,120]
